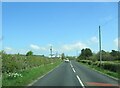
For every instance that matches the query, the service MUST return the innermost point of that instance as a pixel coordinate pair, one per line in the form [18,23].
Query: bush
[89,62]
[29,53]
[114,67]
[110,66]
[18,63]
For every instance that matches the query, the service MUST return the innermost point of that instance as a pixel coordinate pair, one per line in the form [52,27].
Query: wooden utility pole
[51,51]
[100,52]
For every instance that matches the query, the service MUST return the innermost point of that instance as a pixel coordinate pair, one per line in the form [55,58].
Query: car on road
[66,60]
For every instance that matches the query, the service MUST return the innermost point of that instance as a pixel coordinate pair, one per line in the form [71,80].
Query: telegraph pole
[100,46]
[76,53]
[51,51]
[56,54]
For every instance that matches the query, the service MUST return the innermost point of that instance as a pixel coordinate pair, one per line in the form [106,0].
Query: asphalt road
[75,74]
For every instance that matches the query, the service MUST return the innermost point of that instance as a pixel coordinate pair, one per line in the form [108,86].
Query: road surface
[76,75]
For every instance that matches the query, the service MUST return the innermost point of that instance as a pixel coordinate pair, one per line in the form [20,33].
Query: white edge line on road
[42,76]
[73,70]
[80,81]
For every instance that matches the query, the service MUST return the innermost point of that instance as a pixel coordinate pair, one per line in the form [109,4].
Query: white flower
[14,75]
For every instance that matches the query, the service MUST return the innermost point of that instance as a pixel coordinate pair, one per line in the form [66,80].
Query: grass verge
[29,75]
[101,70]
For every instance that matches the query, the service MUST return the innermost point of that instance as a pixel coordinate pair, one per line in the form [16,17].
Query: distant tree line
[87,54]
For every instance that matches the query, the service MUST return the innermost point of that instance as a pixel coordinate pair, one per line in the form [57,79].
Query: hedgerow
[18,63]
[114,67]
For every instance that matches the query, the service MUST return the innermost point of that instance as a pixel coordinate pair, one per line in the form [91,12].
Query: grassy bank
[101,70]
[28,75]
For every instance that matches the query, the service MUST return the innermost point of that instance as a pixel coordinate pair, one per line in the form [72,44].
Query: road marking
[71,65]
[80,81]
[73,70]
[77,75]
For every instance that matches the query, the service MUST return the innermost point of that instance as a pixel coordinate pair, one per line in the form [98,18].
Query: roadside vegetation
[109,65]
[20,70]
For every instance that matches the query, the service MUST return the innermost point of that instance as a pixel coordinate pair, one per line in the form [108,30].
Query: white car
[66,60]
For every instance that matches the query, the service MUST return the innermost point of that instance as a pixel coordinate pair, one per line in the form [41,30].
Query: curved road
[76,75]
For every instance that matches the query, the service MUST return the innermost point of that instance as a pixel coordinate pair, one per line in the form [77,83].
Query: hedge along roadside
[109,68]
[114,67]
[29,75]
[17,63]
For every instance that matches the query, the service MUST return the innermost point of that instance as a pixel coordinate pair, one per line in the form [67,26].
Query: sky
[66,26]
[60,0]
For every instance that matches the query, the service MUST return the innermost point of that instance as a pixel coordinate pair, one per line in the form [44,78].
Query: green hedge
[16,63]
[110,66]
[105,65]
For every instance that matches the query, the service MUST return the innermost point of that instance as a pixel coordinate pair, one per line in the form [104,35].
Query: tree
[85,53]
[62,56]
[88,52]
[115,54]
[29,53]
[105,56]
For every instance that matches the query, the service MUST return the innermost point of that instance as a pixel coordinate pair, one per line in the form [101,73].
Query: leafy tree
[106,56]
[85,53]
[88,52]
[114,53]
[29,53]
[62,56]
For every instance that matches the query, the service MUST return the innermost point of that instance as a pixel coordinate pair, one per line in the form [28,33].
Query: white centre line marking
[77,75]
[71,66]
[80,81]
[73,70]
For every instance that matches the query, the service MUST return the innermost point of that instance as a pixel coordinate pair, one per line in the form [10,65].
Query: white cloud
[43,48]
[8,49]
[117,42]
[49,45]
[36,47]
[94,39]
[74,46]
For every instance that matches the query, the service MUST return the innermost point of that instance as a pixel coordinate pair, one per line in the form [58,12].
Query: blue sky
[68,27]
